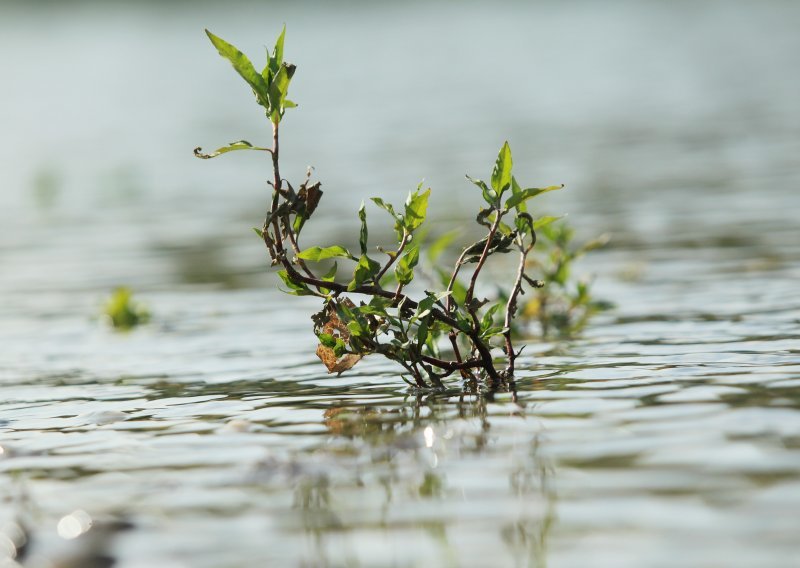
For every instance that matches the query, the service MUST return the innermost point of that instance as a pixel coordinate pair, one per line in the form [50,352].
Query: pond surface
[668,434]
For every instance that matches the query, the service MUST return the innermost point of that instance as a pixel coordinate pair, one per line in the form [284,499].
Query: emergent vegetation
[123,312]
[366,308]
[566,304]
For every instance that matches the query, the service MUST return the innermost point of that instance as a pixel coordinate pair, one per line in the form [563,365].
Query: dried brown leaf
[327,321]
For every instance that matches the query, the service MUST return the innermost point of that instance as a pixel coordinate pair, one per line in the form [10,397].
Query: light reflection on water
[668,435]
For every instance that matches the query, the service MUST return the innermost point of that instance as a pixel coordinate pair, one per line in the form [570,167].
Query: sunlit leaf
[366,269]
[501,174]
[405,266]
[517,198]
[243,67]
[232,147]
[277,52]
[416,208]
[544,221]
[329,276]
[489,194]
[315,253]
[278,89]
[398,220]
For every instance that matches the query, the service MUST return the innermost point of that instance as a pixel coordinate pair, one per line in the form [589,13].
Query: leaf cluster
[566,304]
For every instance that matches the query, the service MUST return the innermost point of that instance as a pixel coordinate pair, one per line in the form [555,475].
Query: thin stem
[459,264]
[482,259]
[511,307]
[296,249]
[393,258]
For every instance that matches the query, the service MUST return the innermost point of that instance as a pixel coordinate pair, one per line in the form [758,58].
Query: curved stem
[482,259]
[393,258]
[511,307]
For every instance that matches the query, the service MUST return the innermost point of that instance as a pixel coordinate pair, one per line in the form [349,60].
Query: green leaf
[441,244]
[243,67]
[525,194]
[416,209]
[278,89]
[492,331]
[459,291]
[232,147]
[362,214]
[329,276]
[385,206]
[338,346]
[517,190]
[366,269]
[422,332]
[259,232]
[398,220]
[405,266]
[489,194]
[277,52]
[501,174]
[296,289]
[327,340]
[544,221]
[488,318]
[315,253]
[425,305]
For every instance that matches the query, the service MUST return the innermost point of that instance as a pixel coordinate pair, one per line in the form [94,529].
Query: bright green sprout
[123,312]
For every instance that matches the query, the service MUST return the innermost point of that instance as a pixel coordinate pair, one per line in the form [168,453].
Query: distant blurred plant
[391,323]
[564,305]
[123,312]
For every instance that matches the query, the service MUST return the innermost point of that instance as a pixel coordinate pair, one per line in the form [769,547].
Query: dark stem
[482,260]
[511,307]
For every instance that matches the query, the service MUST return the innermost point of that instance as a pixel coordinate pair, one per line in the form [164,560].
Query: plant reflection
[404,456]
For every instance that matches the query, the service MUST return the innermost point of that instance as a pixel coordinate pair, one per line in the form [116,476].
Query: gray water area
[667,434]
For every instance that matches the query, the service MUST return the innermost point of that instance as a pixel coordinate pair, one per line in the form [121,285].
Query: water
[668,434]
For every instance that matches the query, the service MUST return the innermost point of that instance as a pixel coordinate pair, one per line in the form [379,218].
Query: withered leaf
[334,364]
[327,321]
[310,195]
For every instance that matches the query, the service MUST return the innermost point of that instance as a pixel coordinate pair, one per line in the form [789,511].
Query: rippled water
[667,435]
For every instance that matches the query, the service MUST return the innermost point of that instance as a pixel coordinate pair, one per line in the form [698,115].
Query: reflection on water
[668,435]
